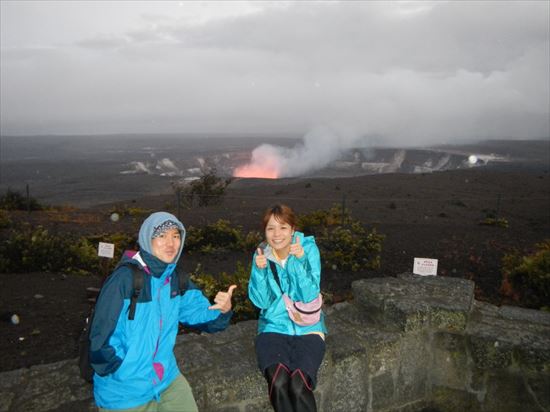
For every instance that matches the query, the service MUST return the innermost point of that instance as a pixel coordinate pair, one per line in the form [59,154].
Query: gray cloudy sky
[415,72]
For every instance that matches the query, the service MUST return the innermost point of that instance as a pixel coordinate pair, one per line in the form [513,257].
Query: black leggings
[289,391]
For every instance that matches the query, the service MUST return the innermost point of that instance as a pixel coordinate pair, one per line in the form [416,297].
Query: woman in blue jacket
[289,355]
[133,359]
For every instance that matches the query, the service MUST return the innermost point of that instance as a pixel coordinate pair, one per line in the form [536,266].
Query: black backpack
[84,364]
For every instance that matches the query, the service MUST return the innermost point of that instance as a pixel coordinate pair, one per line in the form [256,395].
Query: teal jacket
[134,360]
[300,279]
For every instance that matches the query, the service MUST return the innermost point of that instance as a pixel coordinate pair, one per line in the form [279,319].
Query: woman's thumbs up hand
[296,249]
[260,260]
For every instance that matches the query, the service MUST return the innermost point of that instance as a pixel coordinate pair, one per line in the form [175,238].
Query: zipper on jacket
[282,292]
[157,380]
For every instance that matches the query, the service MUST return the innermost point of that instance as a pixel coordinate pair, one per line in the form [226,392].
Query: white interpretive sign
[425,267]
[106,250]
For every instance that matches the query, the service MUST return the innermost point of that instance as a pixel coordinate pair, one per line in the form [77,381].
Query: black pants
[290,365]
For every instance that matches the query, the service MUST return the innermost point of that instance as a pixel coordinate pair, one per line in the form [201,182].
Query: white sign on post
[425,267]
[106,250]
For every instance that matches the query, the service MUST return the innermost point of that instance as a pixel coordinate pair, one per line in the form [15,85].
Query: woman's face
[278,234]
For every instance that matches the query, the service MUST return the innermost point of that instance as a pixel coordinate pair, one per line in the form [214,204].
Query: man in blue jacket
[134,363]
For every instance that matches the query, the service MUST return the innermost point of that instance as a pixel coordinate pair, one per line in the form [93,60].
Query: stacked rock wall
[403,344]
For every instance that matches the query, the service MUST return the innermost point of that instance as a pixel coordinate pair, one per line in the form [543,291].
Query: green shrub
[211,285]
[36,249]
[82,258]
[348,247]
[215,236]
[313,221]
[251,241]
[491,221]
[12,200]
[31,249]
[529,277]
[209,190]
[122,242]
[219,237]
[5,220]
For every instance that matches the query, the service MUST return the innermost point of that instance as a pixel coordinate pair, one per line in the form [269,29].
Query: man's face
[167,245]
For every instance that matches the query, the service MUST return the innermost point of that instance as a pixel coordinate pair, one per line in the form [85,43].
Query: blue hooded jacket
[134,360]
[300,278]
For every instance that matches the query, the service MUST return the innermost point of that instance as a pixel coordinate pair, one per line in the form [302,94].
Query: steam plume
[320,146]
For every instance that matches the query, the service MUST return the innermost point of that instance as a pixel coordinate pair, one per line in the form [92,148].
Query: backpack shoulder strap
[275,273]
[138,280]
[183,279]
[183,282]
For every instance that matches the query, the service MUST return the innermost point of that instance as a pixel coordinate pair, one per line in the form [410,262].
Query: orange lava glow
[255,171]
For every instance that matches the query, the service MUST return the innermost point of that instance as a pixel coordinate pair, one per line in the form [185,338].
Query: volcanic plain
[436,215]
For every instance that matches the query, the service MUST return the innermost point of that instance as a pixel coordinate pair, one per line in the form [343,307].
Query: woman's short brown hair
[282,214]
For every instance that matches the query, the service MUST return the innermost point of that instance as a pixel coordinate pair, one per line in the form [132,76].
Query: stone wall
[403,344]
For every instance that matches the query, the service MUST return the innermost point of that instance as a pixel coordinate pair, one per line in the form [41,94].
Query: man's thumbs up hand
[260,259]
[223,300]
[296,248]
